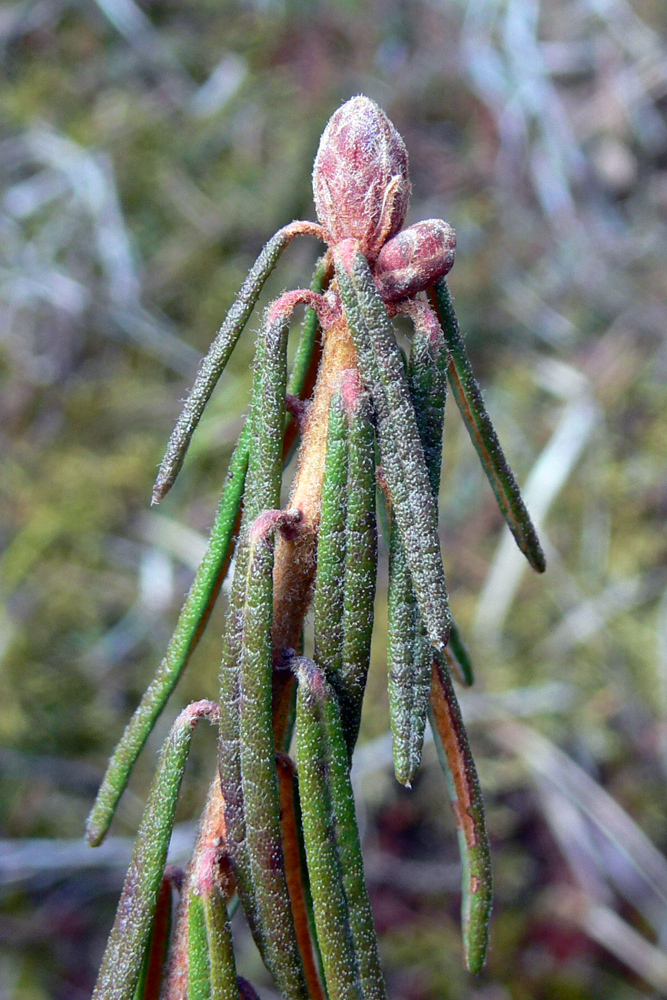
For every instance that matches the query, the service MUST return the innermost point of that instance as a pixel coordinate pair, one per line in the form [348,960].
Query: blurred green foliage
[148,153]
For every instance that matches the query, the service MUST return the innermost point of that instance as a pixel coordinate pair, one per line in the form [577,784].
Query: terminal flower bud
[415,259]
[360,178]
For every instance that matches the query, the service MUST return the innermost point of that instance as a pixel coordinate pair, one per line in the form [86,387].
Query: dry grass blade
[617,936]
[548,763]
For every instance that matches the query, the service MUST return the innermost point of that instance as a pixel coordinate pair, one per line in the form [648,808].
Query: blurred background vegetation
[148,151]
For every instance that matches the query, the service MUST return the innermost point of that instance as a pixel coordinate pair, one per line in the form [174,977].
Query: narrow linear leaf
[219,352]
[189,628]
[346,831]
[360,559]
[329,595]
[229,755]
[309,330]
[332,918]
[465,795]
[150,980]
[409,656]
[262,492]
[409,652]
[224,983]
[296,873]
[211,964]
[246,761]
[482,432]
[126,947]
[280,949]
[199,965]
[200,953]
[427,381]
[210,883]
[458,657]
[308,353]
[268,417]
[401,450]
[349,849]
[301,383]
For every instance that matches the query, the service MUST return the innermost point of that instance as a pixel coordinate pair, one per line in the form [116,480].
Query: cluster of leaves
[562,304]
[327,536]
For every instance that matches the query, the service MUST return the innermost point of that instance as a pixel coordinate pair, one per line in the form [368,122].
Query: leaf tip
[539,562]
[160,489]
[94,836]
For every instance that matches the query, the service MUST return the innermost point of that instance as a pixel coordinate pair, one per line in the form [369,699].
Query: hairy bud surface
[414,259]
[360,178]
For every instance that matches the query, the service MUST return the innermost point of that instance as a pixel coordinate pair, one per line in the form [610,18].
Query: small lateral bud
[415,259]
[360,178]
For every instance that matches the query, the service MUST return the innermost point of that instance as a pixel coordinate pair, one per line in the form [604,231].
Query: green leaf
[427,380]
[297,875]
[402,453]
[465,795]
[409,656]
[347,553]
[190,626]
[409,652]
[308,355]
[470,402]
[128,941]
[211,964]
[224,983]
[150,979]
[360,561]
[247,763]
[458,657]
[332,917]
[309,331]
[320,703]
[329,591]
[199,964]
[262,493]
[219,353]
[202,957]
[280,949]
